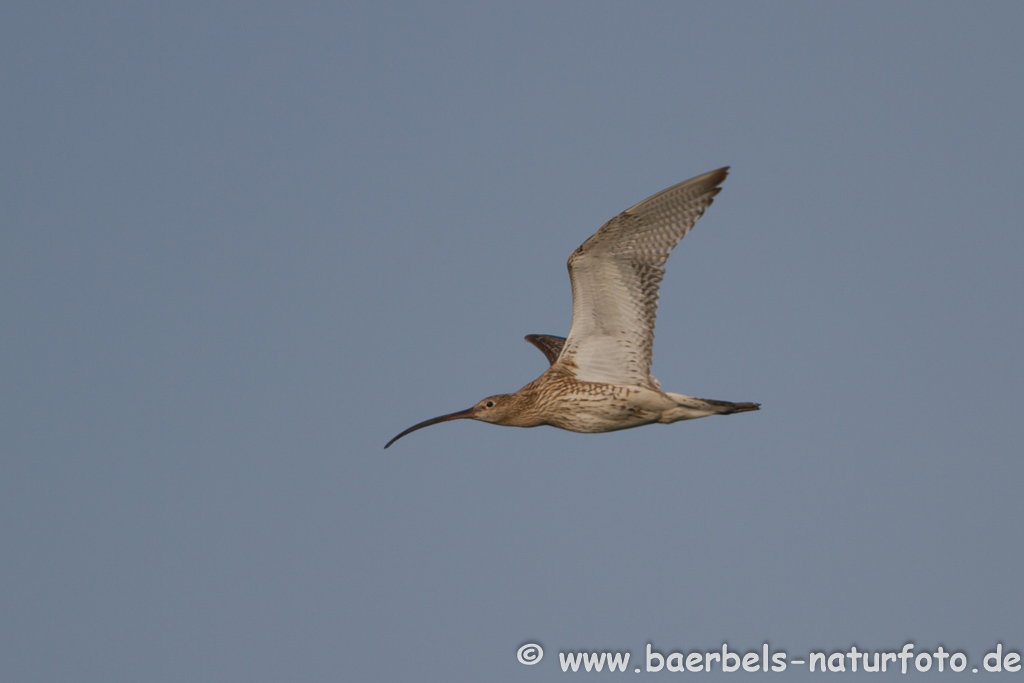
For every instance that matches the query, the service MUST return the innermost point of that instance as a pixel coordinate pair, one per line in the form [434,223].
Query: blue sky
[244,245]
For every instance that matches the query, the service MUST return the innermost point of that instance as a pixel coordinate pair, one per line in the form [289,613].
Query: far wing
[615,277]
[548,344]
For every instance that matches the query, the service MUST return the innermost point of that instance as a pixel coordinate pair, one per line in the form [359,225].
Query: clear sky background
[245,244]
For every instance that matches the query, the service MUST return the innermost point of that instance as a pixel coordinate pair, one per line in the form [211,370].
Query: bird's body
[599,379]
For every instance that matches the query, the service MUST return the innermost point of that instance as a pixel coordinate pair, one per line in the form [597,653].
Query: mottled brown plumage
[599,379]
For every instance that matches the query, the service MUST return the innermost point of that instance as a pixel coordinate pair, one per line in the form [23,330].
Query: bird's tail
[691,407]
[728,408]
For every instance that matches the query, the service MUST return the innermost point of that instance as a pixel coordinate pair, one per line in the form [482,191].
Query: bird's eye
[489,404]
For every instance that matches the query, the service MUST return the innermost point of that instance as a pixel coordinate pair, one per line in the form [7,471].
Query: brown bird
[600,376]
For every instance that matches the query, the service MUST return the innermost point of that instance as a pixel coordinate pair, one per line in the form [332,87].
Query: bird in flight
[600,375]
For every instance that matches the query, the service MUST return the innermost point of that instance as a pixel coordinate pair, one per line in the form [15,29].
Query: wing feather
[615,278]
[549,345]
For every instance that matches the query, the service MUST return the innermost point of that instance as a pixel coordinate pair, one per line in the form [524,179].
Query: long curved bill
[433,421]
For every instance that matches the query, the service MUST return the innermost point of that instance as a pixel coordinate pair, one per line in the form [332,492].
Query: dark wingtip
[549,345]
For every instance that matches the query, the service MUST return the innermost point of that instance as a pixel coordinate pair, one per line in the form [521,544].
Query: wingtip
[711,181]
[549,344]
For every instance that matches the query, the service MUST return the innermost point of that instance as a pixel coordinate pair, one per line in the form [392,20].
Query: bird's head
[494,409]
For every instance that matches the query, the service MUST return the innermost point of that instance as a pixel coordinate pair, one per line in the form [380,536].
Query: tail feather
[728,408]
[691,407]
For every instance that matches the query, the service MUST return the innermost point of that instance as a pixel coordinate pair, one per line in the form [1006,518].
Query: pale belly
[609,408]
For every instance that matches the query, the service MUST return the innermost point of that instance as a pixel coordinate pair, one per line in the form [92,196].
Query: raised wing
[549,345]
[615,277]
